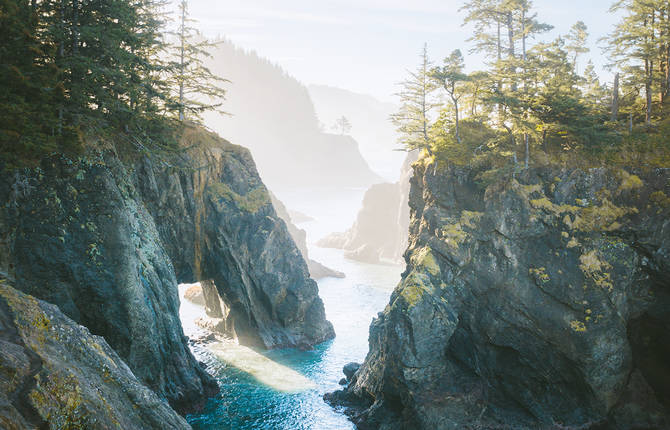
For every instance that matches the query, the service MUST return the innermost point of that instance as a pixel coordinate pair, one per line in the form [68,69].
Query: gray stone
[533,302]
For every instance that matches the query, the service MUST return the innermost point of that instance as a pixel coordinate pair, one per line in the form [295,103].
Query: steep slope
[54,371]
[274,117]
[106,240]
[535,302]
[380,230]
[217,222]
[77,235]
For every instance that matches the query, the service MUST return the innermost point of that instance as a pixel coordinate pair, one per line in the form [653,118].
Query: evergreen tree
[451,77]
[576,41]
[199,90]
[413,118]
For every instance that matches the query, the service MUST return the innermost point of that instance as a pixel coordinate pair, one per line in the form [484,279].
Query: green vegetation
[74,72]
[532,104]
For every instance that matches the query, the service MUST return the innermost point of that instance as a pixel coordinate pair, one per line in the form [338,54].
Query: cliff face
[217,220]
[54,371]
[536,302]
[107,240]
[380,231]
[77,235]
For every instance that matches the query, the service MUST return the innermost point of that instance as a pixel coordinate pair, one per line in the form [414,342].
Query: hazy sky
[366,45]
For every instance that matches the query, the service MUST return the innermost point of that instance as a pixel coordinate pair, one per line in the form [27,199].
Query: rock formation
[217,222]
[54,371]
[299,236]
[106,238]
[539,301]
[379,233]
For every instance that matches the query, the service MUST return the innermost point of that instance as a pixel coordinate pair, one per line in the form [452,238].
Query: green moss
[601,218]
[470,218]
[660,199]
[628,181]
[453,235]
[578,326]
[595,268]
[424,258]
[539,274]
[249,202]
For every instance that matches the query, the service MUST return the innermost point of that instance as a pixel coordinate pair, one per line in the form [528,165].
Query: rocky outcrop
[107,236]
[216,220]
[540,301]
[380,231]
[299,236]
[56,374]
[76,234]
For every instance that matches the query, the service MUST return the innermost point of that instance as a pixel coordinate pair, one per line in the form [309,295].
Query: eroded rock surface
[541,301]
[79,236]
[217,222]
[55,374]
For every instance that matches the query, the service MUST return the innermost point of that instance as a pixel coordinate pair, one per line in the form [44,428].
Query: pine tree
[413,118]
[451,77]
[635,43]
[199,90]
[28,81]
[576,41]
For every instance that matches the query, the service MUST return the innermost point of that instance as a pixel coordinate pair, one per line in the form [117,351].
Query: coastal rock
[55,371]
[78,236]
[379,233]
[534,301]
[194,295]
[218,225]
[350,370]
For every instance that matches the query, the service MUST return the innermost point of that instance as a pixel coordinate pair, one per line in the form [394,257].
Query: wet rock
[56,374]
[532,302]
[343,381]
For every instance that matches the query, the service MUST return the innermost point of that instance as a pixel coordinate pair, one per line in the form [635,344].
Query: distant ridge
[272,114]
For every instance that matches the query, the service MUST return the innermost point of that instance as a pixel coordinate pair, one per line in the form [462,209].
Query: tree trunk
[615,99]
[511,52]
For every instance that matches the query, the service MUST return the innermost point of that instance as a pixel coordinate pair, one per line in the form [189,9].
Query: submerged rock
[54,371]
[535,302]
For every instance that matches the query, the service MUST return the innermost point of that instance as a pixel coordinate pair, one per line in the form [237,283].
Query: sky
[367,46]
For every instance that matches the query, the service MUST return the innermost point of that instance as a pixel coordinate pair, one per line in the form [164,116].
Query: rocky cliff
[56,374]
[217,222]
[106,238]
[379,233]
[540,301]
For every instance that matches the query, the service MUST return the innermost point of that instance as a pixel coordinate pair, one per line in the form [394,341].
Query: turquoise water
[351,303]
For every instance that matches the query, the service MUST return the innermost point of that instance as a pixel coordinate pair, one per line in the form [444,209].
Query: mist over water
[247,403]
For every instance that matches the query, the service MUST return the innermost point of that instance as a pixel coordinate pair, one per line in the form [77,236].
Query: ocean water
[283,389]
